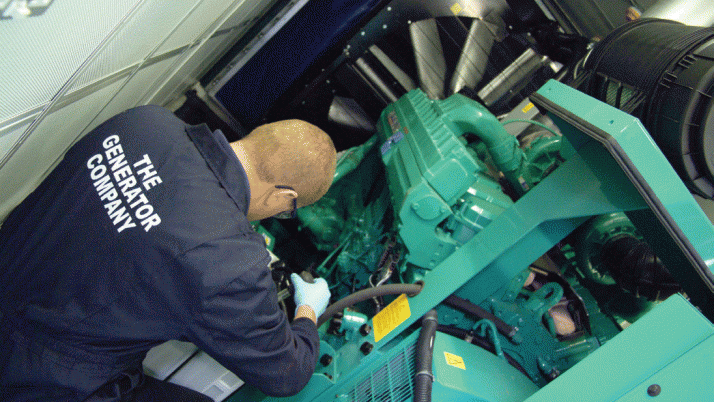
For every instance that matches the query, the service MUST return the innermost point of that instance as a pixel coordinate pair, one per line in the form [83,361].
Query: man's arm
[242,327]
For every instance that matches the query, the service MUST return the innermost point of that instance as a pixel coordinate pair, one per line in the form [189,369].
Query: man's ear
[278,197]
[281,193]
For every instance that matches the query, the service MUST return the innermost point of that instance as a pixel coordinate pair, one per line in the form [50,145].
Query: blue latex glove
[316,295]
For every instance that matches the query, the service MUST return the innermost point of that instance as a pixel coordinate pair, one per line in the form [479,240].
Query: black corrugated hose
[424,353]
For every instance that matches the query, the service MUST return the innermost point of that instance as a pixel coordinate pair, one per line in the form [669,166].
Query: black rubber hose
[475,310]
[635,267]
[367,294]
[480,342]
[423,377]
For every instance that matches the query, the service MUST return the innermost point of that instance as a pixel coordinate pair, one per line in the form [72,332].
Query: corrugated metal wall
[71,64]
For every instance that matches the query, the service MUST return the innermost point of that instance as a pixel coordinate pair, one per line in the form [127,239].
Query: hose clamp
[424,372]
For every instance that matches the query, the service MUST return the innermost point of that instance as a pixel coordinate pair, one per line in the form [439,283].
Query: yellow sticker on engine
[388,319]
[454,360]
[527,108]
[456,8]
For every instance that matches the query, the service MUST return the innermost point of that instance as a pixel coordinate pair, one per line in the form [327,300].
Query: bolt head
[326,359]
[366,348]
[365,329]
[654,390]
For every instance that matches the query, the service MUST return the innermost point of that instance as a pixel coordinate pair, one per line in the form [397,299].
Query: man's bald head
[293,153]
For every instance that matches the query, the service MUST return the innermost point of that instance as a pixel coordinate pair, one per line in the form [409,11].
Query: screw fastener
[654,390]
[365,330]
[326,359]
[366,348]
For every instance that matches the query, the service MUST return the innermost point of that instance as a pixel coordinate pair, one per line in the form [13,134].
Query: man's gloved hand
[316,295]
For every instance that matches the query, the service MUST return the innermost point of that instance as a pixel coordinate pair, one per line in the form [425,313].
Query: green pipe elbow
[470,116]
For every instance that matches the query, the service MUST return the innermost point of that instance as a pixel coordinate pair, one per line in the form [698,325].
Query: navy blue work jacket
[137,237]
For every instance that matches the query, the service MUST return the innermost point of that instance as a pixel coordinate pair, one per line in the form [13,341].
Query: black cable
[423,377]
[368,294]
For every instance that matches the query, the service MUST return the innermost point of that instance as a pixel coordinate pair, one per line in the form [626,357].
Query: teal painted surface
[656,340]
[688,378]
[464,115]
[622,306]
[543,154]
[535,347]
[592,237]
[433,176]
[340,212]
[648,159]
[589,183]
[385,373]
[486,377]
[526,231]
[349,159]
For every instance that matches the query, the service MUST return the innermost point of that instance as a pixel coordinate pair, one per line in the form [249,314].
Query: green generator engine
[537,258]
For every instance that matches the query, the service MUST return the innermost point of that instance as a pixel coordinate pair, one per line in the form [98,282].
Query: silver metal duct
[474,56]
[347,111]
[513,77]
[429,55]
[402,78]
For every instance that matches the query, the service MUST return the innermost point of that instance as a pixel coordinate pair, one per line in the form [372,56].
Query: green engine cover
[441,192]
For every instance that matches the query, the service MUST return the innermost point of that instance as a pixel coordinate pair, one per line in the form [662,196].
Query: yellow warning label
[456,8]
[527,108]
[394,314]
[455,361]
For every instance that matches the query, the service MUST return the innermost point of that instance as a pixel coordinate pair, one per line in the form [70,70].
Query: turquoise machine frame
[611,165]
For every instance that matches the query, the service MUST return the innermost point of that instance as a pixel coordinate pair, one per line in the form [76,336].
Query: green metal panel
[483,376]
[384,375]
[527,230]
[676,225]
[670,330]
[689,378]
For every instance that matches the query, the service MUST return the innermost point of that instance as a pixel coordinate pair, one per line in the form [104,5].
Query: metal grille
[392,382]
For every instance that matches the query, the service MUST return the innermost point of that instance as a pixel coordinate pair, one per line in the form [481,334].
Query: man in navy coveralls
[141,235]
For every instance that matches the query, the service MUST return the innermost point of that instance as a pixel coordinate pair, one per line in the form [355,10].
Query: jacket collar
[224,163]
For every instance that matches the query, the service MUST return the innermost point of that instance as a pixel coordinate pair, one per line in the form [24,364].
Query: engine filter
[663,73]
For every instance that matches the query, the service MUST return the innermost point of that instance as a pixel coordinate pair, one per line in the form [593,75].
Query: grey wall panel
[132,91]
[38,55]
[106,57]
[10,134]
[43,149]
